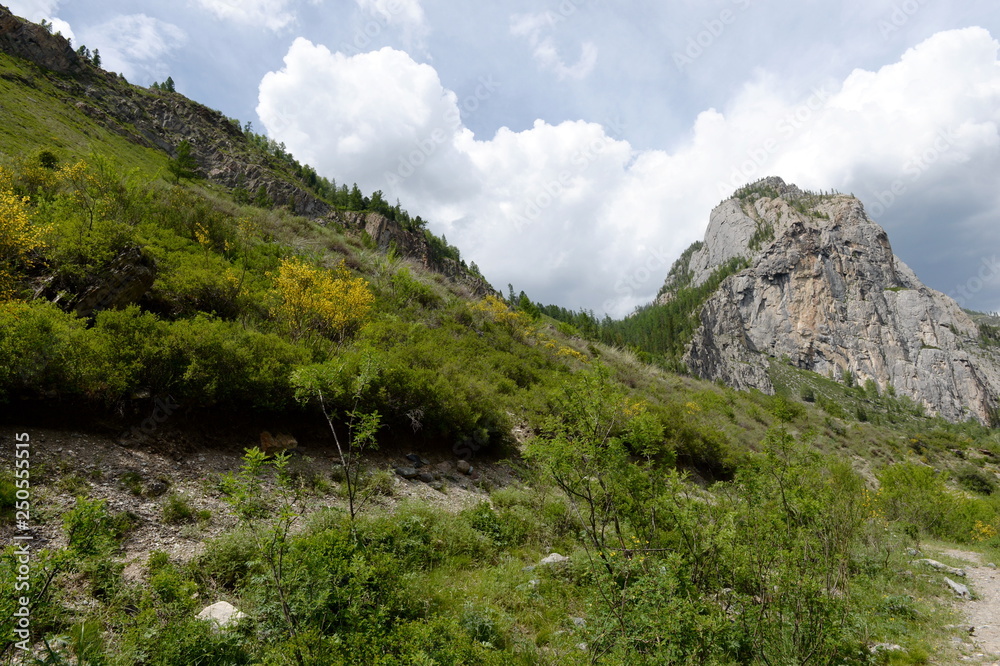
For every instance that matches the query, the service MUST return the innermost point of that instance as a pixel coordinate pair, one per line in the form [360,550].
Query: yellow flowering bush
[18,237]
[331,302]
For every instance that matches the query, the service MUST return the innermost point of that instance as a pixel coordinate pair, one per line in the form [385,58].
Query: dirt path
[983,612]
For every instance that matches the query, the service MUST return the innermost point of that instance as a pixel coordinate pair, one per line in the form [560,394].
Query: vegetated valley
[225,378]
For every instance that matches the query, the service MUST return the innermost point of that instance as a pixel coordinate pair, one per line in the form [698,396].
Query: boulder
[959,589]
[934,564]
[222,613]
[554,558]
[124,282]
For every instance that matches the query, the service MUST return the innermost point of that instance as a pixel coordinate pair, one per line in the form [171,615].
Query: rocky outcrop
[123,283]
[35,44]
[387,234]
[825,292]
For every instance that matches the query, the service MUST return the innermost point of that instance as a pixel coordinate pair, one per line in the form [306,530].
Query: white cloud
[575,216]
[60,27]
[135,45]
[533,28]
[271,14]
[33,10]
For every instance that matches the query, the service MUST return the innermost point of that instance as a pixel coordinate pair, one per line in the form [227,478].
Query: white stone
[554,558]
[222,613]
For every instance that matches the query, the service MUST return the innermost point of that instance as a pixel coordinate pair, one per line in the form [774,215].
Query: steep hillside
[824,291]
[78,108]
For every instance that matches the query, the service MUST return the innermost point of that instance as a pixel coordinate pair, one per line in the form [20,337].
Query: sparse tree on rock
[184,165]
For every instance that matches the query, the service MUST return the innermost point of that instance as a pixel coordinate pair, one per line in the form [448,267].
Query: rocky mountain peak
[824,291]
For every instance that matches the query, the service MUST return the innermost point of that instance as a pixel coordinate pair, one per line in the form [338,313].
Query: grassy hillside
[702,525]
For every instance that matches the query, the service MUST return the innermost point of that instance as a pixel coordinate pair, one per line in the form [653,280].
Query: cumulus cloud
[136,45]
[534,28]
[271,14]
[578,217]
[33,10]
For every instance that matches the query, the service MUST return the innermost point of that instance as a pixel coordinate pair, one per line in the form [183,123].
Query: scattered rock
[407,472]
[417,461]
[437,485]
[426,477]
[464,467]
[934,564]
[155,488]
[578,622]
[222,613]
[554,558]
[885,647]
[959,589]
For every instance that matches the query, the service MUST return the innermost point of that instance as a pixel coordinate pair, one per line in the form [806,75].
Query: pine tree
[184,165]
[168,85]
[355,201]
[96,60]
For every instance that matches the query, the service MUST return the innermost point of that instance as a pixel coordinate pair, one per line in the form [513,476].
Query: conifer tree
[184,165]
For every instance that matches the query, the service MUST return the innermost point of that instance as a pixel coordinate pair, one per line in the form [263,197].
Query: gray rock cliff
[825,291]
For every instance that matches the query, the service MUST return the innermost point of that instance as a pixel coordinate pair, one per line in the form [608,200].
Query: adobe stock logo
[703,40]
[987,273]
[913,170]
[163,409]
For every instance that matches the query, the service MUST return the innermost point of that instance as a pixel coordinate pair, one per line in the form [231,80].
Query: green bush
[228,559]
[177,509]
[92,530]
[976,480]
[8,496]
[42,350]
[917,494]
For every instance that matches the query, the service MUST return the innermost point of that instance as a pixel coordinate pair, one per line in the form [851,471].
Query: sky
[574,148]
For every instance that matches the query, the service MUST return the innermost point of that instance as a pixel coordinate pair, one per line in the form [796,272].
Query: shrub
[227,559]
[912,493]
[177,509]
[976,480]
[91,530]
[313,299]
[8,496]
[44,350]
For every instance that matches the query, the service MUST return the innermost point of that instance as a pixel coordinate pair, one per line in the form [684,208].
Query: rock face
[124,282]
[825,292]
[35,43]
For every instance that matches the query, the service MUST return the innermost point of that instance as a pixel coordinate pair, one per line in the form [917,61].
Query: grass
[41,113]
